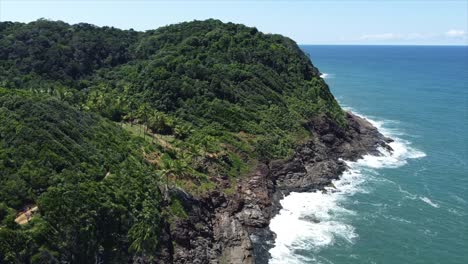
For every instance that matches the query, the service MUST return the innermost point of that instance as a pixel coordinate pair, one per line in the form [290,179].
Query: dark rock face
[234,229]
[319,161]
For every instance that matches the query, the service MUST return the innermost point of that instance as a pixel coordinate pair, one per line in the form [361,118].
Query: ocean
[409,206]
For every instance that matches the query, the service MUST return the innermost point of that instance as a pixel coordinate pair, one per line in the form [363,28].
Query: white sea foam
[312,221]
[428,201]
[407,194]
[326,75]
[398,219]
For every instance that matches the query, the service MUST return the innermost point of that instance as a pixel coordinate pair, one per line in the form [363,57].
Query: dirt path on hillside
[25,217]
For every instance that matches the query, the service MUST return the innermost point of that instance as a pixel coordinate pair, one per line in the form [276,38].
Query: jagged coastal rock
[172,145]
[234,228]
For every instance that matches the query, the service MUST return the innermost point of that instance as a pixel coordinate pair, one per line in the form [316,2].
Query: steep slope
[86,175]
[159,146]
[206,73]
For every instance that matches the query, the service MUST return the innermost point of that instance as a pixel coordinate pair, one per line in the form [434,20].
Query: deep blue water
[407,207]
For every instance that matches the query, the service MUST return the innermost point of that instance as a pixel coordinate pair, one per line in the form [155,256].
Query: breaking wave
[311,221]
[326,75]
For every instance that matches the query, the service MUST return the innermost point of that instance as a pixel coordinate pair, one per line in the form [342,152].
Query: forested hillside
[99,124]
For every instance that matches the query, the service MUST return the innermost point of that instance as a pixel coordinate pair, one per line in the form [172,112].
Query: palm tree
[142,112]
[172,168]
[167,169]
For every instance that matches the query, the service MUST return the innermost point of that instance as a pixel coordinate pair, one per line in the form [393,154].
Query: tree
[172,168]
[143,113]
[159,123]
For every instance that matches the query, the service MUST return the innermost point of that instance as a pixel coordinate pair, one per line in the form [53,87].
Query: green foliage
[92,188]
[177,209]
[192,105]
[58,51]
[200,72]
[159,123]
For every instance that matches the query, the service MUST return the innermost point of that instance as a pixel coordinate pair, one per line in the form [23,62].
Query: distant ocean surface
[409,206]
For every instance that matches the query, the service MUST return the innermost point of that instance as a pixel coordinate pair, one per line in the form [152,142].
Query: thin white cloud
[394,36]
[455,33]
[452,33]
[383,36]
[413,36]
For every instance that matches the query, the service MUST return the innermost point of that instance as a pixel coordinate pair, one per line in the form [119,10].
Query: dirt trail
[25,217]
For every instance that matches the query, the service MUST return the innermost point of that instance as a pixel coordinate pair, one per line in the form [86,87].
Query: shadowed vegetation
[99,124]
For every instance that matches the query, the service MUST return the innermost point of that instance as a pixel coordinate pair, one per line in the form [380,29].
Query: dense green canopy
[86,174]
[97,120]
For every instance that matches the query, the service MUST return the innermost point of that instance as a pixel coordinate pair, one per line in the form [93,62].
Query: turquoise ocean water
[409,206]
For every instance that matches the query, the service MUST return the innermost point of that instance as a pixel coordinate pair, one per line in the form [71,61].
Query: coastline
[316,164]
[235,228]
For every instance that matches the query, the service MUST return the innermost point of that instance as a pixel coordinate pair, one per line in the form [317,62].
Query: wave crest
[326,75]
[428,201]
[312,221]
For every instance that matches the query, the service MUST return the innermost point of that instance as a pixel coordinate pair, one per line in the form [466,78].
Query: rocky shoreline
[234,229]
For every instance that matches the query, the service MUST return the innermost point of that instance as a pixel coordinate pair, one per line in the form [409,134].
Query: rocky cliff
[234,228]
[99,126]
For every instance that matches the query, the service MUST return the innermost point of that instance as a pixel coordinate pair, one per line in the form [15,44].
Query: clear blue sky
[429,22]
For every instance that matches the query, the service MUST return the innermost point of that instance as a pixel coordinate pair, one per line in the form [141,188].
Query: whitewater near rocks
[310,221]
[237,227]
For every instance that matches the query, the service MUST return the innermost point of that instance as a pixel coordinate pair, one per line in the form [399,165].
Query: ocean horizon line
[390,45]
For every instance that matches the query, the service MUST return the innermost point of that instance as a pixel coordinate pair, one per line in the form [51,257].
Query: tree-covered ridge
[88,177]
[201,72]
[98,124]
[58,51]
[44,136]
